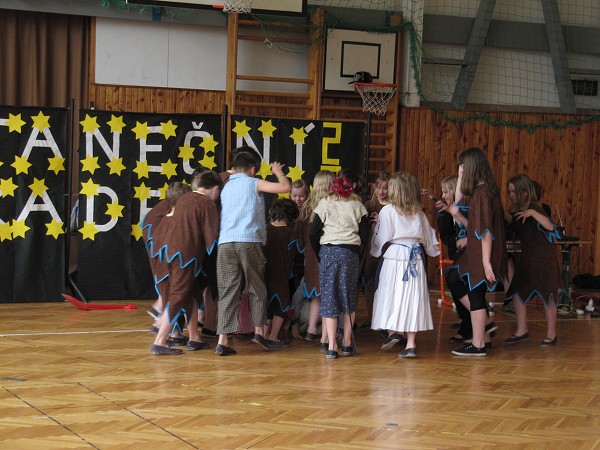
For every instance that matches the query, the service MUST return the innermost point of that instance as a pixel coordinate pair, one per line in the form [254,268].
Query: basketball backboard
[267,7]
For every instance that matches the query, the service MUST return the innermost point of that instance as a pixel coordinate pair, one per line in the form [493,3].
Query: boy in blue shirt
[241,260]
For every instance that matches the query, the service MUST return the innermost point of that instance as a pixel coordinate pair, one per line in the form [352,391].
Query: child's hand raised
[277,168]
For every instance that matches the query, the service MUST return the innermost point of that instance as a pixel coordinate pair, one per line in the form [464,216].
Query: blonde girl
[309,288]
[402,296]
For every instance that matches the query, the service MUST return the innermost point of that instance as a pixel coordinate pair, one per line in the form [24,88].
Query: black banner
[304,146]
[33,157]
[127,161]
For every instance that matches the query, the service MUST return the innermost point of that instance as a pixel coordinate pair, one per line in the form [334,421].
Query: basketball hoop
[375,96]
[238,6]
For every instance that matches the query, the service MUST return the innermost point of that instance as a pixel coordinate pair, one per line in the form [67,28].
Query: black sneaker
[162,350]
[278,344]
[390,341]
[258,339]
[195,345]
[470,350]
[223,350]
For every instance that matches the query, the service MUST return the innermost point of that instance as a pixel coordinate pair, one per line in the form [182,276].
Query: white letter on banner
[145,148]
[300,145]
[111,153]
[187,168]
[89,209]
[47,205]
[49,142]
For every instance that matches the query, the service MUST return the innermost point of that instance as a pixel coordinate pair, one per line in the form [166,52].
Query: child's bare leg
[348,321]
[163,331]
[411,337]
[276,324]
[521,316]
[295,331]
[193,325]
[313,315]
[551,316]
[331,326]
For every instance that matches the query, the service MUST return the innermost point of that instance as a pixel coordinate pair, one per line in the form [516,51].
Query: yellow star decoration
[265,170]
[169,169]
[284,195]
[208,162]
[267,128]
[168,129]
[298,135]
[41,122]
[163,191]
[116,124]
[89,188]
[19,228]
[114,210]
[116,166]
[136,230]
[55,228]
[14,123]
[89,124]
[7,187]
[209,144]
[89,230]
[21,165]
[5,231]
[38,187]
[186,152]
[142,169]
[90,164]
[56,164]
[141,130]
[295,173]
[142,192]
[241,129]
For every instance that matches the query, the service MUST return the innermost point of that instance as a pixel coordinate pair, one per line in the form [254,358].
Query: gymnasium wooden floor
[76,380]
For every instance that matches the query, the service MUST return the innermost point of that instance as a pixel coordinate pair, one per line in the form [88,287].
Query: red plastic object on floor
[87,306]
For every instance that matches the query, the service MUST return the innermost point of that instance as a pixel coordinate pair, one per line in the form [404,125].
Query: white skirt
[401,305]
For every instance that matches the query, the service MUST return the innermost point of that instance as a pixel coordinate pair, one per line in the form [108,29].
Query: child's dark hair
[244,160]
[199,169]
[175,190]
[206,180]
[355,179]
[283,209]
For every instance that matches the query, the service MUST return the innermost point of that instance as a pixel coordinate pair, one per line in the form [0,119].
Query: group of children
[321,243]
[475,230]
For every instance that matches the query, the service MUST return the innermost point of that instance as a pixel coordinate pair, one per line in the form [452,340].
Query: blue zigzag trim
[534,293]
[296,242]
[275,297]
[555,233]
[467,276]
[174,321]
[480,236]
[310,294]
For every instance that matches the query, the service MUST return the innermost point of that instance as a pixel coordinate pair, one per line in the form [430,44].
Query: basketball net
[238,6]
[375,96]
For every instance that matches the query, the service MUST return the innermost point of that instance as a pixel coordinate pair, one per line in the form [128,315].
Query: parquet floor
[76,380]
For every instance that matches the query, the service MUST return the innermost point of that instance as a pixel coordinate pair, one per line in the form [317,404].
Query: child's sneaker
[470,350]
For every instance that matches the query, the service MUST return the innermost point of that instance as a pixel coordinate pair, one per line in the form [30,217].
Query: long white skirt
[401,305]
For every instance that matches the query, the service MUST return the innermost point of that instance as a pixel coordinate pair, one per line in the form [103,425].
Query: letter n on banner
[32,189]
[127,160]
